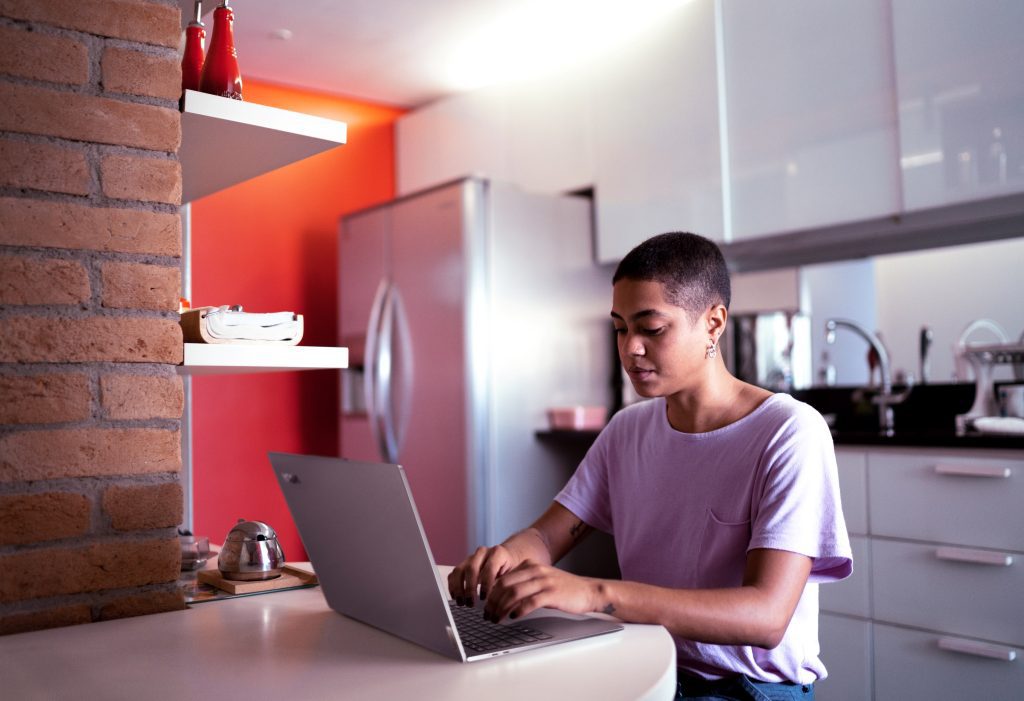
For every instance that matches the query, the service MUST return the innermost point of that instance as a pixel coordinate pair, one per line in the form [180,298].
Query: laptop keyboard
[480,635]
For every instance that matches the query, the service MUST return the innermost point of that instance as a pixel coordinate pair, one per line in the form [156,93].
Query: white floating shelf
[225,142]
[225,358]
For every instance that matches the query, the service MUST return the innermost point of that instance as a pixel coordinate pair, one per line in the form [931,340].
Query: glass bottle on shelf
[220,72]
[192,59]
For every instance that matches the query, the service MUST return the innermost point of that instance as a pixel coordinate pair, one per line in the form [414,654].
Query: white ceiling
[385,51]
[411,52]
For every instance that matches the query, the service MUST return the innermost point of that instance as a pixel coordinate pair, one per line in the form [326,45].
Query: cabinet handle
[978,557]
[978,649]
[972,470]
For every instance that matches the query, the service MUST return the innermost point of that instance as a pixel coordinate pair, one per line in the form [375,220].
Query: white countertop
[290,645]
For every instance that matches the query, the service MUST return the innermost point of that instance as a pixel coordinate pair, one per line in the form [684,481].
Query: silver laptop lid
[360,527]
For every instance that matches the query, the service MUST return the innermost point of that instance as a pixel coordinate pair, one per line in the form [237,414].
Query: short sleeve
[586,493]
[799,509]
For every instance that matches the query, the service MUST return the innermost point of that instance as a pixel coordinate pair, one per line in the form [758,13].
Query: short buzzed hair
[691,267]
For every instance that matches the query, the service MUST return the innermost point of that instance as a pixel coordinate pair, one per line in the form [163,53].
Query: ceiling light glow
[540,37]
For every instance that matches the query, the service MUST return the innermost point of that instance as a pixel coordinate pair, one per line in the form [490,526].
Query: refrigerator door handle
[382,398]
[371,374]
[399,340]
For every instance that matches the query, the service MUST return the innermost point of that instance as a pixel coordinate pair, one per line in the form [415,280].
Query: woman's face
[661,349]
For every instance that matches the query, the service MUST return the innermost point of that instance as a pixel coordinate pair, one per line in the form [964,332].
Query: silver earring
[712,352]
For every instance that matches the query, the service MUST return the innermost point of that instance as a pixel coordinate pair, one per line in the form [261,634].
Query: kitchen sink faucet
[886,398]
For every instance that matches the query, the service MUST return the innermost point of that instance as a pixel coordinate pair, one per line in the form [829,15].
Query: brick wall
[90,247]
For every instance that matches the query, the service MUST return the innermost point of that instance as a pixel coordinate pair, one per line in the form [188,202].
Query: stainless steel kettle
[250,552]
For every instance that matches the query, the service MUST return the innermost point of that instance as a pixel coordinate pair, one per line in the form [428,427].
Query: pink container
[577,418]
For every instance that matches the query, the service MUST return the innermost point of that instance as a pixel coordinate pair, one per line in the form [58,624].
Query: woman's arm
[755,613]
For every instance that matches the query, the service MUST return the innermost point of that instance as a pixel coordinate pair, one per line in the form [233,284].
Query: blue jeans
[740,689]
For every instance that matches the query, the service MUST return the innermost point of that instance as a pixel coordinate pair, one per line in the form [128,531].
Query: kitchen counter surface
[920,439]
[290,645]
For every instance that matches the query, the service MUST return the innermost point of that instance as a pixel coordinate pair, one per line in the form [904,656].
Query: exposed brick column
[90,256]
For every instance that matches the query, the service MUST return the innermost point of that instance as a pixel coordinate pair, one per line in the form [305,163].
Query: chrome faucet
[886,398]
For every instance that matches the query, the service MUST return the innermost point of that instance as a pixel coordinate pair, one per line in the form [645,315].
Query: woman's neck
[717,402]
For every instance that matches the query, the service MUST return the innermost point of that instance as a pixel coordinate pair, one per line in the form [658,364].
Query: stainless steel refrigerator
[469,309]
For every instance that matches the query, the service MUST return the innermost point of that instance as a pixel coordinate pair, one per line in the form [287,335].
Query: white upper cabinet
[453,138]
[534,133]
[811,114]
[740,120]
[656,137]
[551,142]
[960,82]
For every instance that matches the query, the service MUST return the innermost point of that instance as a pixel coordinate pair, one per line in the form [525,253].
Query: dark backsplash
[929,409]
[927,418]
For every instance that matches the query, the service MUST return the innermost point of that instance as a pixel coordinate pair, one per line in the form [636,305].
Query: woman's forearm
[756,613]
[550,537]
[739,616]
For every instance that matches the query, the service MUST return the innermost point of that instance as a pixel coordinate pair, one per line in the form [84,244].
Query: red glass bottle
[192,60]
[220,72]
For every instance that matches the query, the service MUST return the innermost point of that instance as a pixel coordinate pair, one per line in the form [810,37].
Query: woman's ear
[715,320]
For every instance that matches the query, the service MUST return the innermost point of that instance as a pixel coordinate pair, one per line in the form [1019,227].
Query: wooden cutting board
[290,577]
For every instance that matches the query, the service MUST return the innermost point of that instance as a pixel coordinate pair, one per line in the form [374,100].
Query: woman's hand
[482,569]
[549,538]
[530,586]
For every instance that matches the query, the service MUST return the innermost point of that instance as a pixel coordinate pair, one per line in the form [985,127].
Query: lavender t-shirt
[684,509]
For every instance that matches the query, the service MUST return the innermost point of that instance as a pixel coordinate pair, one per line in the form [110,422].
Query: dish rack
[984,359]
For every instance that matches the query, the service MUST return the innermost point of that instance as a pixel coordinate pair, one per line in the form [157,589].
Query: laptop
[359,525]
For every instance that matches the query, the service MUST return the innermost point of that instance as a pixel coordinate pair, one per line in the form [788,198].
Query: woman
[722,497]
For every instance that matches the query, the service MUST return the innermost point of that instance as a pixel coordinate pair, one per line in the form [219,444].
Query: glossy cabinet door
[853,488]
[959,68]
[846,653]
[452,138]
[550,136]
[962,591]
[963,498]
[810,112]
[656,138]
[911,665]
[937,583]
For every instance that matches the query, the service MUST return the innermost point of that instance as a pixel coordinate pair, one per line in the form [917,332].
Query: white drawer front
[851,596]
[963,498]
[853,488]
[846,652]
[962,591]
[910,666]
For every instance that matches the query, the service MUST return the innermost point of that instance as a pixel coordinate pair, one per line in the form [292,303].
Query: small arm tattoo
[578,530]
[609,609]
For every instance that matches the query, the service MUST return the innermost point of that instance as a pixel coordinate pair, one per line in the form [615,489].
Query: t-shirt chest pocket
[723,552]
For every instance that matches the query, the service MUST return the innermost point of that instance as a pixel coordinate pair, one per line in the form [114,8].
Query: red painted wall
[270,244]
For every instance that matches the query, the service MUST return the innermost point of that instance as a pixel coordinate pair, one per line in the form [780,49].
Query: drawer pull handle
[978,649]
[977,557]
[973,470]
